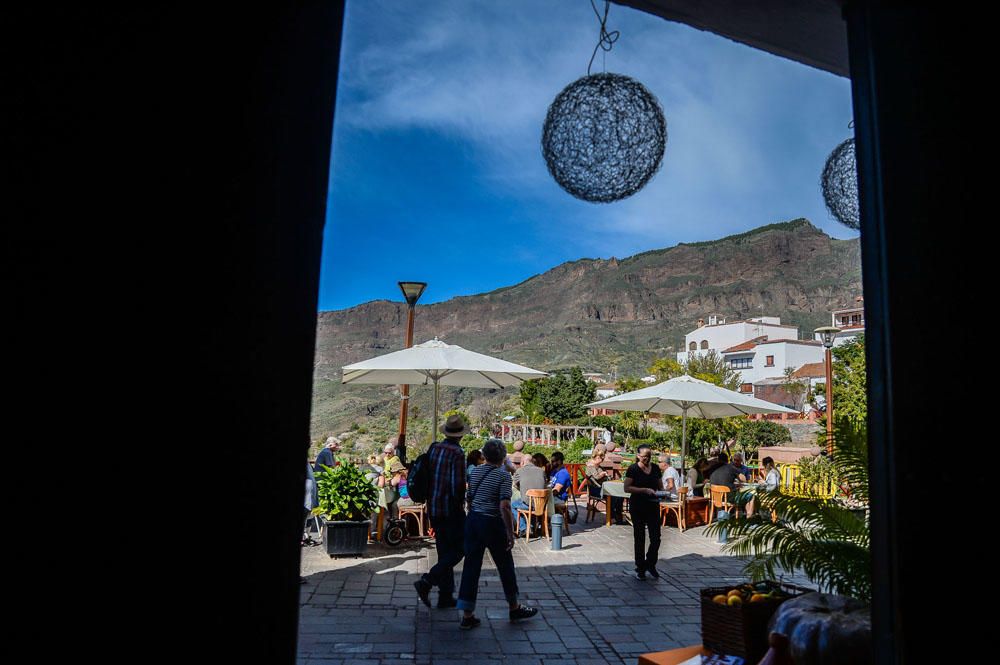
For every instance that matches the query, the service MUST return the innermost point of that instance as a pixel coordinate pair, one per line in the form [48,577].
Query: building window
[746,388]
[769,362]
[704,343]
[693,346]
[741,363]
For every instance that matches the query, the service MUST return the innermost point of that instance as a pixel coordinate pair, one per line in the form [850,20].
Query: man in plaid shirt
[447,512]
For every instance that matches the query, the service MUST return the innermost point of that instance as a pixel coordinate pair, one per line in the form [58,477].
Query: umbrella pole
[684,443]
[434,429]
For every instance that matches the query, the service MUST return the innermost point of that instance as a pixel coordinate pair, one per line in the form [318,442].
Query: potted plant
[346,501]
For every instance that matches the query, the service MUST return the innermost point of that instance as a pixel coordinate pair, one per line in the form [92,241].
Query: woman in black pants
[490,526]
[642,481]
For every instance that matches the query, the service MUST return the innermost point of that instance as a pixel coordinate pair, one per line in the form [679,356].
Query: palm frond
[818,536]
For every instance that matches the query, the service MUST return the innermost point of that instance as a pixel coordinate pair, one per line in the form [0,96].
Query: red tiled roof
[807,342]
[746,346]
[810,370]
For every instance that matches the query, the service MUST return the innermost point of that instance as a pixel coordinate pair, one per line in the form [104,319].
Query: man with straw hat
[446,512]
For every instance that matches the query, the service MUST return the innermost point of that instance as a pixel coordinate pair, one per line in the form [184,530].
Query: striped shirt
[447,478]
[488,486]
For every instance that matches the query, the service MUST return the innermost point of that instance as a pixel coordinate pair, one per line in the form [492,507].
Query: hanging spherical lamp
[604,137]
[840,185]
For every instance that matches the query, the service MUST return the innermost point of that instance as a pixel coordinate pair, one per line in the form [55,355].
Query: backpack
[418,481]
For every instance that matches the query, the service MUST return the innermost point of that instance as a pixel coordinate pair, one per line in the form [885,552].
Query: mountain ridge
[603,314]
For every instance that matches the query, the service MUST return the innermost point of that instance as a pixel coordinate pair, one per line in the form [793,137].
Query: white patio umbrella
[441,364]
[685,395]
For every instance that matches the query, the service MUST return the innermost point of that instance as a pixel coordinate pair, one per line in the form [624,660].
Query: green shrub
[344,493]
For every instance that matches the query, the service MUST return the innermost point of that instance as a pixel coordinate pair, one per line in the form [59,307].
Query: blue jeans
[485,532]
[513,508]
[449,533]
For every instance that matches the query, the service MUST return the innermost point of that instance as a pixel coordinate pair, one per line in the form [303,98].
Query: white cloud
[485,72]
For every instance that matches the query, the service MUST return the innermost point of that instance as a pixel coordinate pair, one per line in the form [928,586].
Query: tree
[850,383]
[702,434]
[564,395]
[756,433]
[529,399]
[795,387]
[665,368]
[628,384]
[713,368]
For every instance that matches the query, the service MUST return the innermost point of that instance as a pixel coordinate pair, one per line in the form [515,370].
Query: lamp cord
[607,39]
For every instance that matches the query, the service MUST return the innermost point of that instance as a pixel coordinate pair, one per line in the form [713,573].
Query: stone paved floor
[365,611]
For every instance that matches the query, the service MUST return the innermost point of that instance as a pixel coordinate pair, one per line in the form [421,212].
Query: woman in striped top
[490,526]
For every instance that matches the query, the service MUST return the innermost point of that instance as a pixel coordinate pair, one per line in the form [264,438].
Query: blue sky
[436,169]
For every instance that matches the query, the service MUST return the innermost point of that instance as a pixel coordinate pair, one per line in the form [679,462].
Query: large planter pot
[346,538]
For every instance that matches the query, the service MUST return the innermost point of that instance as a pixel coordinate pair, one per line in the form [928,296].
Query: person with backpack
[490,526]
[438,477]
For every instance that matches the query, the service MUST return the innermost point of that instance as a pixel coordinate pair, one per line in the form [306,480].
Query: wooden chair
[538,506]
[720,500]
[593,501]
[418,511]
[678,507]
[564,511]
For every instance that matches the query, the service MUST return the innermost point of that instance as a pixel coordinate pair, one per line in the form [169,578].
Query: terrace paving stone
[363,611]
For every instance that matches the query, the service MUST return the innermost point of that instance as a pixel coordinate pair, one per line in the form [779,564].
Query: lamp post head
[411,291]
[828,334]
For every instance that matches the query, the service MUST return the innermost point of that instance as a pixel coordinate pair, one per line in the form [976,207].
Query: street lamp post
[828,334]
[411,292]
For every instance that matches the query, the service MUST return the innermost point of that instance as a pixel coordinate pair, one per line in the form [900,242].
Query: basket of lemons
[734,618]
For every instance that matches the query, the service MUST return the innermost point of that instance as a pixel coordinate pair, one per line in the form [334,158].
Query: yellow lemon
[734,592]
[720,599]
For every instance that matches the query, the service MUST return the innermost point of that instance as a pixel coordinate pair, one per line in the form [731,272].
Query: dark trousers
[645,515]
[449,537]
[485,532]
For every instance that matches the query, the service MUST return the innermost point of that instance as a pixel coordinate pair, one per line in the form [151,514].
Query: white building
[851,322]
[756,349]
[718,335]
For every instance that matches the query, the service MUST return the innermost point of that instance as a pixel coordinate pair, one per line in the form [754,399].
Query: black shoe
[523,612]
[468,623]
[640,575]
[423,590]
[446,602]
[653,572]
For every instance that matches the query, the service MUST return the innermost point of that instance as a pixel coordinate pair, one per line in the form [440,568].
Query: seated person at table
[597,476]
[671,481]
[472,460]
[695,477]
[741,467]
[726,474]
[772,477]
[559,479]
[771,481]
[529,477]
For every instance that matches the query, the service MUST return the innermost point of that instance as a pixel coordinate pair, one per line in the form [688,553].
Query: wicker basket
[741,630]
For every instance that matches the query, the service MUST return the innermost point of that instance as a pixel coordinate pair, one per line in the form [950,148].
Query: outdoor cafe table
[612,488]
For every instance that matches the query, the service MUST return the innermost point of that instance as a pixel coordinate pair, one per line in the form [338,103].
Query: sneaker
[523,612]
[424,591]
[468,623]
[653,572]
[446,602]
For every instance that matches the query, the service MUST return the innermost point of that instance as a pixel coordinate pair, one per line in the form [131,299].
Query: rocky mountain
[603,315]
